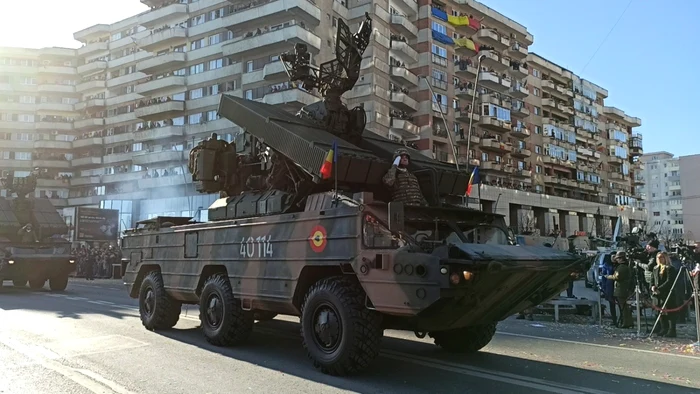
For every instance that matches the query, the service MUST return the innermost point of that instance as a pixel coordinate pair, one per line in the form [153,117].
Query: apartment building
[689,200]
[141,92]
[662,190]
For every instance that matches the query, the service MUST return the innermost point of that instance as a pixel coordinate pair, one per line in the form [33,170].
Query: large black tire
[37,284]
[466,339]
[264,315]
[58,282]
[223,320]
[340,335]
[158,310]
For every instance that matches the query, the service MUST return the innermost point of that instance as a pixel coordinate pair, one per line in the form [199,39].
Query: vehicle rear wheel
[19,282]
[224,322]
[158,310]
[58,282]
[465,339]
[340,335]
[264,315]
[36,284]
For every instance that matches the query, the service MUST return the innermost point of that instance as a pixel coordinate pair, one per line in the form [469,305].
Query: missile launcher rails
[284,240]
[30,238]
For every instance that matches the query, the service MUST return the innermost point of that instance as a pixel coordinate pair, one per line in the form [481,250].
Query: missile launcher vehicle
[286,238]
[30,238]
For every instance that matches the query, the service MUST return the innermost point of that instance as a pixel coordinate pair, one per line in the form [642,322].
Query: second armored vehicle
[30,238]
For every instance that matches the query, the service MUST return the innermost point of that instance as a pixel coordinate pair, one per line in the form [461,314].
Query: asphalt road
[90,340]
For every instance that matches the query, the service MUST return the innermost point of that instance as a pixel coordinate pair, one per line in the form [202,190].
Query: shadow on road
[410,366]
[13,298]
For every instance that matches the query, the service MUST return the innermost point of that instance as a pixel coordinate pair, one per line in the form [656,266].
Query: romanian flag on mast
[472,178]
[331,158]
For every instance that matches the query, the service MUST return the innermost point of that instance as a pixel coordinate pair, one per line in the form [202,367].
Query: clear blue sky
[650,63]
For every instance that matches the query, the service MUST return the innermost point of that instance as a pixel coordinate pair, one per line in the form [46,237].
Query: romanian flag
[474,177]
[331,158]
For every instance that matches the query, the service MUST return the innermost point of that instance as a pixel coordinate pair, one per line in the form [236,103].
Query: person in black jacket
[662,279]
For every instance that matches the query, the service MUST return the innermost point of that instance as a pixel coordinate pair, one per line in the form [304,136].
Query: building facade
[689,170]
[663,197]
[112,121]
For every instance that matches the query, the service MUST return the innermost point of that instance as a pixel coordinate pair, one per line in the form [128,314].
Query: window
[536,73]
[439,27]
[536,92]
[538,169]
[440,51]
[537,110]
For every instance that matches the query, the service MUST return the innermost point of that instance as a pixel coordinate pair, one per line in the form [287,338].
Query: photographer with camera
[624,284]
[662,280]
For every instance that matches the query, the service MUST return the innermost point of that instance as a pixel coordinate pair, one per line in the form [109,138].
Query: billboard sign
[94,224]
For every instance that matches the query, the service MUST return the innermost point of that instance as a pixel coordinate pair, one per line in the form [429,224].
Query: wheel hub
[149,302]
[327,328]
[215,311]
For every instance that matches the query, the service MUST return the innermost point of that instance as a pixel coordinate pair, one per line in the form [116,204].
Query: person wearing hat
[652,249]
[623,287]
[404,186]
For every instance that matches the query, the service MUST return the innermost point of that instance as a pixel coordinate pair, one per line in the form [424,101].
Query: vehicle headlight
[71,261]
[11,262]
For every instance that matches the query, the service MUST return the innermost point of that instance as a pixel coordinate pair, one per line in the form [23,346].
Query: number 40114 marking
[256,247]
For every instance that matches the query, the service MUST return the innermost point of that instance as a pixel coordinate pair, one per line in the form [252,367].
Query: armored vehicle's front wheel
[224,322]
[157,309]
[341,336]
[58,282]
[466,339]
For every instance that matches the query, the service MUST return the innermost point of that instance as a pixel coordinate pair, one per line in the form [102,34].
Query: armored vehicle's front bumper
[15,267]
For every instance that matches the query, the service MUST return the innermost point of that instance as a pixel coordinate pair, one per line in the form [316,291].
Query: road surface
[90,340]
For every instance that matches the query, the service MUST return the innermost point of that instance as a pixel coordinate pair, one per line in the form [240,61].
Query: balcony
[616,176]
[505,85]
[54,107]
[490,144]
[464,70]
[518,71]
[89,124]
[120,118]
[404,51]
[273,13]
[524,173]
[91,87]
[491,38]
[404,76]
[490,81]
[159,133]
[93,48]
[462,115]
[519,132]
[163,39]
[52,183]
[51,163]
[161,16]
[613,112]
[54,125]
[293,98]
[116,158]
[118,138]
[404,128]
[279,40]
[18,144]
[85,142]
[163,156]
[519,110]
[493,124]
[404,26]
[122,177]
[89,104]
[464,24]
[50,144]
[86,162]
[465,47]
[614,160]
[95,67]
[492,60]
[274,70]
[517,90]
[164,181]
[162,63]
[465,93]
[403,101]
[517,51]
[636,145]
[46,87]
[162,87]
[492,166]
[168,109]
[521,152]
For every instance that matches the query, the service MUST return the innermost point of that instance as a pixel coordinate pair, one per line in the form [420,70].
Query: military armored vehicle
[31,233]
[285,238]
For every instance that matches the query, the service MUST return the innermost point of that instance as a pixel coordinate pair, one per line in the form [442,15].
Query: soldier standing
[623,286]
[403,185]
[27,233]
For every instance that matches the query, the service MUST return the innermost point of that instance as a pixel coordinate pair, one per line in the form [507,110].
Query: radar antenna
[331,80]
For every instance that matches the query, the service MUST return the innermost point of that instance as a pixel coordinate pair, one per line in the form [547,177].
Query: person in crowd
[663,295]
[624,284]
